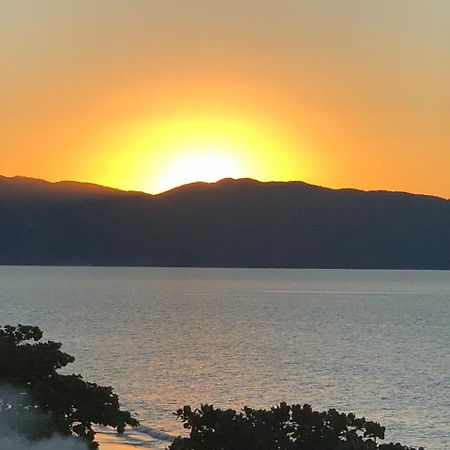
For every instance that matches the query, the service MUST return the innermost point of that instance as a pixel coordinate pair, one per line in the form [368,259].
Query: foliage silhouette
[70,405]
[284,427]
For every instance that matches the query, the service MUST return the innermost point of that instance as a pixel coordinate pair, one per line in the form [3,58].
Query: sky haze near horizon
[135,94]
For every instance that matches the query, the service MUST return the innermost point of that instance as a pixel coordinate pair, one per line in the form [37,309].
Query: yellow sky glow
[147,95]
[164,154]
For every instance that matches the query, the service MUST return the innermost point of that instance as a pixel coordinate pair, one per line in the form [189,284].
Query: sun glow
[203,165]
[165,154]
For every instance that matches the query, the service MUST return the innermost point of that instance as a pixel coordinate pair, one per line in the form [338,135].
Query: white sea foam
[157,434]
[18,418]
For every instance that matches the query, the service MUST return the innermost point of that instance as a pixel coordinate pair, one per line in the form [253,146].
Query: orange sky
[149,94]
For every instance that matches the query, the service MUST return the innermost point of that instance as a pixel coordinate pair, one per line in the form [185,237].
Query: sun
[163,154]
[201,149]
[208,165]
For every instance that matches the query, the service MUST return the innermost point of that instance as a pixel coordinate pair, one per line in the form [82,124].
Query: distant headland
[230,223]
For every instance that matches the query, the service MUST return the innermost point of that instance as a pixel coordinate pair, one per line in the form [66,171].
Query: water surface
[372,342]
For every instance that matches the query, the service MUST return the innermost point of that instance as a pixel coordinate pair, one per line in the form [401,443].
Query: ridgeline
[231,223]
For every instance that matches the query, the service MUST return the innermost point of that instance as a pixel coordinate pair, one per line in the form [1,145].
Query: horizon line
[210,183]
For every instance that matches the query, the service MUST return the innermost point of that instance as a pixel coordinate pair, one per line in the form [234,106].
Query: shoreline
[115,446]
[110,442]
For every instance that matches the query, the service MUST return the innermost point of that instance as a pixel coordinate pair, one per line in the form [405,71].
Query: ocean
[373,342]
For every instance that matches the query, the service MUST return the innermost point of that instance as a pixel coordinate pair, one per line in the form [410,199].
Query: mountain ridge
[26,185]
[230,223]
[87,185]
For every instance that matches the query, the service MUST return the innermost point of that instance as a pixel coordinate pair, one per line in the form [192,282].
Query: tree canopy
[283,427]
[70,405]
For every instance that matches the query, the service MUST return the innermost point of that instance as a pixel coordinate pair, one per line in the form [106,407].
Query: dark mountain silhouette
[22,187]
[231,223]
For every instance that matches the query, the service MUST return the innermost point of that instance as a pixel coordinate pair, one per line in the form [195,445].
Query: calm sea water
[373,342]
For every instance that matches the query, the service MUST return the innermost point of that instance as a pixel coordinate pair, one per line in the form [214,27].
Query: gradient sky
[146,94]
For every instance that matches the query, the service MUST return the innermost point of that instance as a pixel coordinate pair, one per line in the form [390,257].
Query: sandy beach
[115,446]
[108,442]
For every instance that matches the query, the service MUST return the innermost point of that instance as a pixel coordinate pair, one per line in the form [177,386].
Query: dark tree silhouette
[284,427]
[70,405]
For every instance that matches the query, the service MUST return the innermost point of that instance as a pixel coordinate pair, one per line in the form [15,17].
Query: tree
[284,427]
[70,405]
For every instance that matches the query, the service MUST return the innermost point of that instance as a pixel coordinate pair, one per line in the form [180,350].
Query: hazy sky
[145,94]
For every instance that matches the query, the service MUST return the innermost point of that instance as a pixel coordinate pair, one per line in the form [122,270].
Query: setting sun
[156,156]
[205,165]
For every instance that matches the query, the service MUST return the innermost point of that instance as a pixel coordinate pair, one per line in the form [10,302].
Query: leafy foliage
[71,405]
[284,427]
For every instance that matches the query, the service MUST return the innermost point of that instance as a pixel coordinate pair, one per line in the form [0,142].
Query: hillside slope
[231,223]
